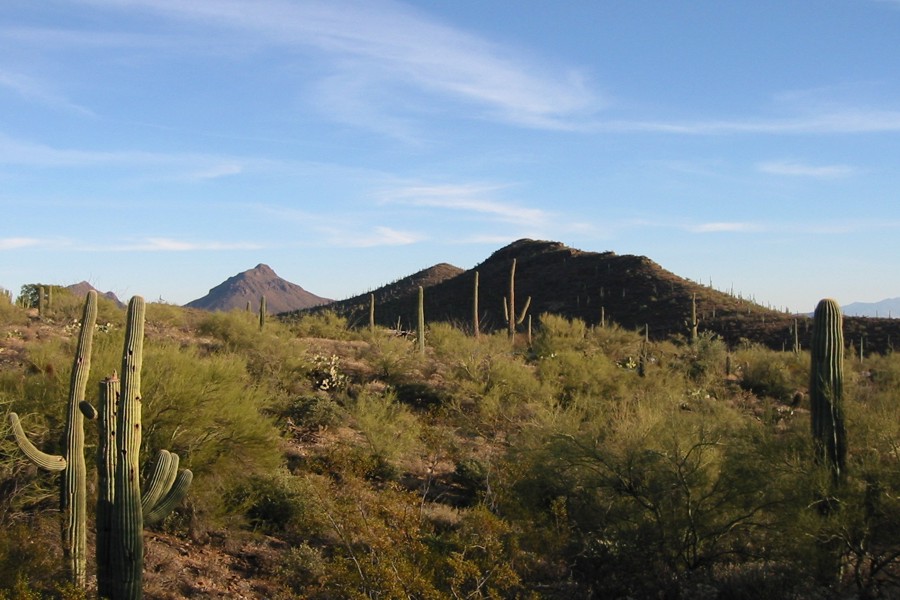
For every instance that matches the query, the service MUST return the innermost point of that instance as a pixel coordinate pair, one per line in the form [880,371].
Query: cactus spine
[73,486]
[509,305]
[826,386]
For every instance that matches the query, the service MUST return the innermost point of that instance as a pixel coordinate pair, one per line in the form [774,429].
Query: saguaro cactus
[476,325]
[126,548]
[509,305]
[420,322]
[694,324]
[371,313]
[262,312]
[121,509]
[826,386]
[73,493]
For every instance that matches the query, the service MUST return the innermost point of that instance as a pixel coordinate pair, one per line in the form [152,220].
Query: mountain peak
[249,286]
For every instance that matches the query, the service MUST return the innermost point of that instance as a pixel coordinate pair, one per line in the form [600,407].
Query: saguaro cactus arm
[50,462]
[179,489]
[166,487]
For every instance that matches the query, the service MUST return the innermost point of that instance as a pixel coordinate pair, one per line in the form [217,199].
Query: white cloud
[35,91]
[16,243]
[725,227]
[378,45]
[156,244]
[848,121]
[467,197]
[379,236]
[791,168]
[217,171]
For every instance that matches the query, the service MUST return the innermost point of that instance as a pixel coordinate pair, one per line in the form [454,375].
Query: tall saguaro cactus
[509,305]
[826,386]
[262,312]
[694,324]
[122,510]
[420,322]
[476,325]
[126,549]
[73,487]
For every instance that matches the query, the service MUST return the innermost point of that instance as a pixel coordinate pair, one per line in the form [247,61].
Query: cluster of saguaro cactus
[509,305]
[826,386]
[121,509]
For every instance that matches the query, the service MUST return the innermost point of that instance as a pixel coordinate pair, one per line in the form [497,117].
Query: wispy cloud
[377,236]
[378,45]
[16,243]
[182,166]
[726,227]
[158,244]
[849,121]
[149,244]
[467,197]
[797,169]
[33,90]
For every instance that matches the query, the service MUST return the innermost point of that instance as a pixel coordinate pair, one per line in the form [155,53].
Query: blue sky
[157,147]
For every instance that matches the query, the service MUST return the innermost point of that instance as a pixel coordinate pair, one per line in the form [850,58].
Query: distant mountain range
[885,309]
[632,291]
[250,286]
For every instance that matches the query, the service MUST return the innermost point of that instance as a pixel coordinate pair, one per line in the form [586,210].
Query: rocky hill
[632,291]
[81,289]
[249,286]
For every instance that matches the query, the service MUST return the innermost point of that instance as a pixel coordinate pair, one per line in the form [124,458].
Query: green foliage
[480,470]
[324,324]
[207,409]
[776,375]
[390,429]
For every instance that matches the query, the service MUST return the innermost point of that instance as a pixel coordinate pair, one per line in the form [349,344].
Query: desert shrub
[275,503]
[11,314]
[616,342]
[577,377]
[162,314]
[206,409]
[237,330]
[312,412]
[776,375]
[303,567]
[557,334]
[390,429]
[392,358]
[325,324]
[703,360]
